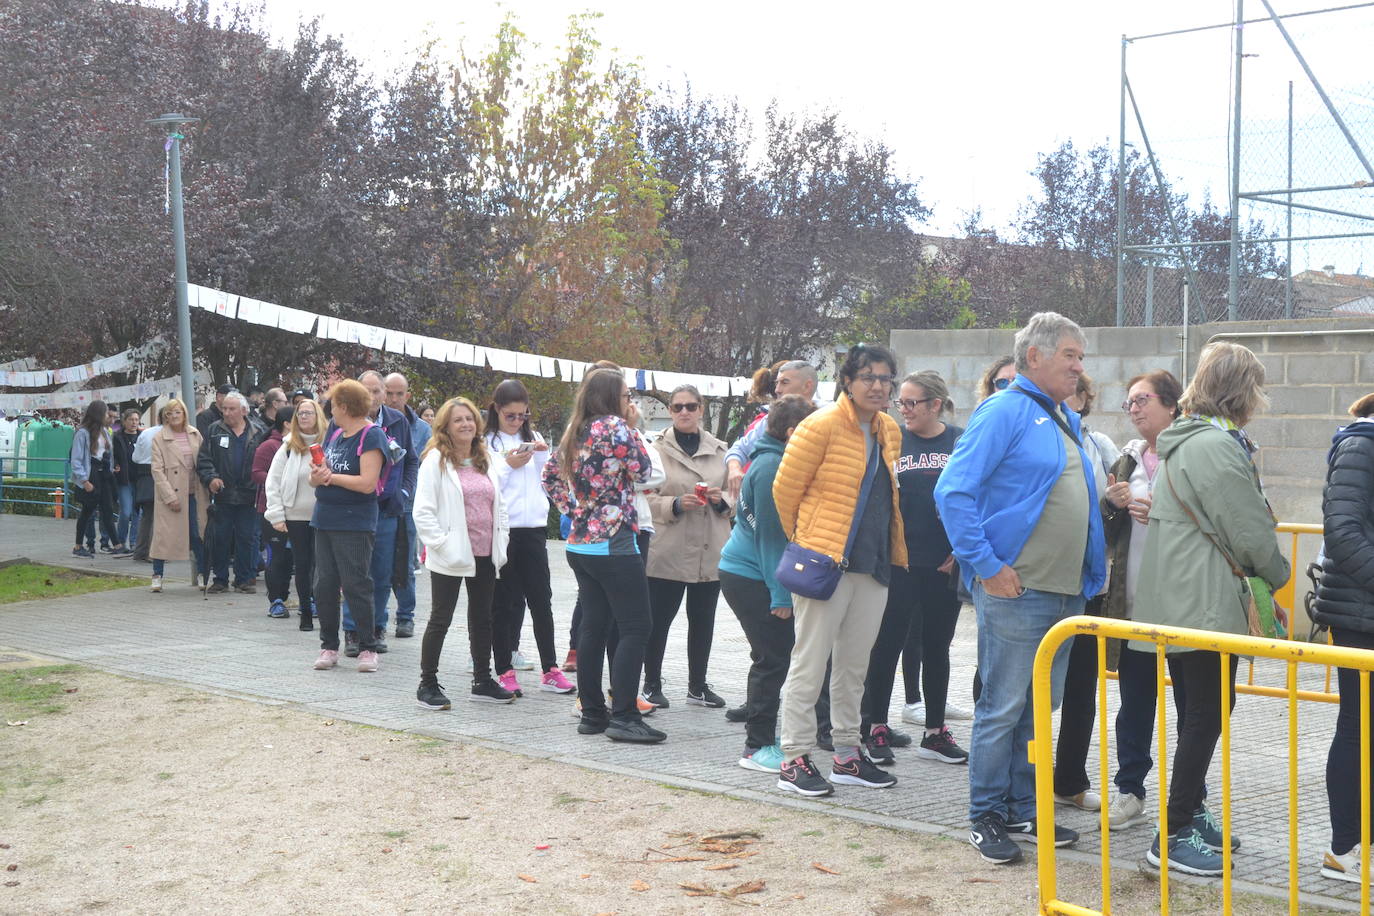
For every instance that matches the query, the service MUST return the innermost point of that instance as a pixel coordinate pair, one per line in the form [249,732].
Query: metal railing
[52,493]
[1291,652]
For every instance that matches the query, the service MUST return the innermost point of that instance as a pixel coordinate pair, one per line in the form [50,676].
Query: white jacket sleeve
[428,526]
[276,508]
[657,472]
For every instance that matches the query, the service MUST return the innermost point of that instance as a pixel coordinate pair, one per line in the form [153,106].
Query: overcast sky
[967,93]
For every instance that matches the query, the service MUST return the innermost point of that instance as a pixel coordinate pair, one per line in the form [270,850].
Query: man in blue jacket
[1019,505]
[397,391]
[399,475]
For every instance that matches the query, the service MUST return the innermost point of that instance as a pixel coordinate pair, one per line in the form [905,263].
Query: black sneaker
[653,693]
[106,548]
[488,691]
[860,771]
[350,643]
[217,588]
[989,836]
[704,697]
[941,747]
[592,725]
[379,641]
[898,739]
[1024,832]
[879,745]
[431,696]
[802,777]
[248,588]
[405,629]
[122,552]
[636,730]
[737,714]
[82,552]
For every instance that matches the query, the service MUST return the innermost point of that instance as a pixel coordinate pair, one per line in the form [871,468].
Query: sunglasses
[512,417]
[693,407]
[1001,384]
[909,404]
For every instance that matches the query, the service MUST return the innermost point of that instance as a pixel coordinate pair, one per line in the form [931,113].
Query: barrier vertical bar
[1225,674]
[1041,754]
[1102,811]
[1364,791]
[1161,705]
[1293,786]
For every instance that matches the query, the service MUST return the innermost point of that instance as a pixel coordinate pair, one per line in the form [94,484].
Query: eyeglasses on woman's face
[869,380]
[913,403]
[689,407]
[1139,402]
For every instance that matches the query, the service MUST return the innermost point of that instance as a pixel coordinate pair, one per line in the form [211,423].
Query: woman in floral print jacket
[591,478]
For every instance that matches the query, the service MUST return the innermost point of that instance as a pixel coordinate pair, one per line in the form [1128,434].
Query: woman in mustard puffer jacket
[817,492]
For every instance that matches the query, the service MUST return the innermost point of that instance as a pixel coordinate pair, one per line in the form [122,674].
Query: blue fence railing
[44,485]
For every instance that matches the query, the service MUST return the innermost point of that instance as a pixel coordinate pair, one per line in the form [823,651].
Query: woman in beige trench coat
[178,491]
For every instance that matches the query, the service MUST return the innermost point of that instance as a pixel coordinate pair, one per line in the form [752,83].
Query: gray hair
[238,396]
[1043,331]
[807,370]
[689,388]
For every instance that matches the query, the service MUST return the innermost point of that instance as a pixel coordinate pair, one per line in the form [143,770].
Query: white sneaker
[915,713]
[1342,868]
[157,583]
[1127,810]
[517,661]
[1087,800]
[956,712]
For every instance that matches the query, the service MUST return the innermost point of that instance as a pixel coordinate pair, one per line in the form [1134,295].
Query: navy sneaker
[989,836]
[278,610]
[1209,828]
[1188,854]
[1025,832]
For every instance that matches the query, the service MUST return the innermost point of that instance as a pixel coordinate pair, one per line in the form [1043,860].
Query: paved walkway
[228,645]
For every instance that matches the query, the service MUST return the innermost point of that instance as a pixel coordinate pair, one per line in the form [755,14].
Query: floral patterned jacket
[610,461]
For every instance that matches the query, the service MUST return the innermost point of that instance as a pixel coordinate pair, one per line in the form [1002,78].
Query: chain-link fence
[1305,175]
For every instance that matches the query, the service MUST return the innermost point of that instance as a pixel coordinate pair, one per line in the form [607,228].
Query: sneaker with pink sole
[508,681]
[328,659]
[367,661]
[554,682]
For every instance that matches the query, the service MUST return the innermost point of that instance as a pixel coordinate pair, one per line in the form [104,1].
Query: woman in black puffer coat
[1345,603]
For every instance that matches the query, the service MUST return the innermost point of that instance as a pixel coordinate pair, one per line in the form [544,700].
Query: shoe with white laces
[510,683]
[989,836]
[554,682]
[1209,828]
[915,713]
[1188,854]
[519,662]
[860,771]
[802,777]
[1127,810]
[1026,832]
[941,746]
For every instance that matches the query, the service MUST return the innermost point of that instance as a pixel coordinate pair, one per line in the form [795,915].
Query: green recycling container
[44,447]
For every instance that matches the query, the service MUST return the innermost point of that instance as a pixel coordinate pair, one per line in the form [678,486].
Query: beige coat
[686,547]
[173,481]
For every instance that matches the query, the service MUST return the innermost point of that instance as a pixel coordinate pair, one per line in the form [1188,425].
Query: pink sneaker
[554,682]
[509,682]
[328,659]
[367,661]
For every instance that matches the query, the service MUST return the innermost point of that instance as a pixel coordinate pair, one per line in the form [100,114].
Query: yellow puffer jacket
[817,486]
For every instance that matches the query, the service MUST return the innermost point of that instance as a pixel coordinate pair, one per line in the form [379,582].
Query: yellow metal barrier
[1041,750]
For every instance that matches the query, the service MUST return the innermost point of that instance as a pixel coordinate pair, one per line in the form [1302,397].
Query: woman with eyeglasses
[691,525]
[836,494]
[520,454]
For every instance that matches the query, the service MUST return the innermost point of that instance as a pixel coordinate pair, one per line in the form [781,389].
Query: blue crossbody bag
[809,574]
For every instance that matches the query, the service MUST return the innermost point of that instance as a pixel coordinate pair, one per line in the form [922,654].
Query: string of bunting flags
[511,362]
[55,400]
[40,378]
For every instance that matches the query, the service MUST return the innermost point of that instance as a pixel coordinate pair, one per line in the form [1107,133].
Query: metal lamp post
[173,123]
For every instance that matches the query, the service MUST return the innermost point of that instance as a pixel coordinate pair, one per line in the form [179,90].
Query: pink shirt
[188,458]
[479,501]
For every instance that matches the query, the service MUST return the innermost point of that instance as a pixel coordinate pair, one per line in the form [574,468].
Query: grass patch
[31,581]
[875,861]
[395,834]
[814,833]
[31,691]
[564,798]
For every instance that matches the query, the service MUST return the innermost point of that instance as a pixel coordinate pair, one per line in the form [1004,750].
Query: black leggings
[1200,672]
[524,580]
[99,501]
[443,599]
[279,564]
[1077,713]
[612,588]
[920,601]
[1343,759]
[303,558]
[665,597]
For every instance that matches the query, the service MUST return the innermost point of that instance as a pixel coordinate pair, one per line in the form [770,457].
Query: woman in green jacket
[1208,515]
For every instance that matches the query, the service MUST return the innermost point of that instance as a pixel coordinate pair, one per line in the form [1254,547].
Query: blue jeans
[236,526]
[383,563]
[1001,778]
[197,547]
[128,514]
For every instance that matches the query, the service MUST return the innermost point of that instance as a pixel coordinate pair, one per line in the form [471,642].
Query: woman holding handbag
[1210,527]
[836,495]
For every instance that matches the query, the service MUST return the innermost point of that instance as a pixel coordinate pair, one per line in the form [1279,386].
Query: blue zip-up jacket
[756,545]
[994,488]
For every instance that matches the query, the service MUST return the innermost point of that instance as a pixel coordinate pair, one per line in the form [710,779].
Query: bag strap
[1048,406]
[1235,569]
[875,461]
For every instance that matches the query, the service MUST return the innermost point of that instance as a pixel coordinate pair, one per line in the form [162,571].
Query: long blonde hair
[442,442]
[295,439]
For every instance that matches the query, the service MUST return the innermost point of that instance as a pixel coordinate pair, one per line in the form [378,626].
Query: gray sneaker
[1188,854]
[1209,828]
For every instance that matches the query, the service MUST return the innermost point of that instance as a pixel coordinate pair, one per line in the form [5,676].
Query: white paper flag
[527,364]
[295,320]
[502,360]
[371,337]
[464,354]
[415,345]
[395,342]
[546,368]
[434,348]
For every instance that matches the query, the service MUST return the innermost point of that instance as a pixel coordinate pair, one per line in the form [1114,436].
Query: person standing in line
[225,466]
[144,490]
[748,579]
[519,455]
[279,561]
[923,596]
[92,473]
[126,477]
[1019,505]
[291,505]
[396,391]
[1209,523]
[180,519]
[462,519]
[836,494]
[213,413]
[356,453]
[591,478]
[692,524]
[1345,603]
[795,376]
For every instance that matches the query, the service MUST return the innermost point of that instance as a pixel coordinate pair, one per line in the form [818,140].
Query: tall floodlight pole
[173,123]
[1233,284]
[1121,199]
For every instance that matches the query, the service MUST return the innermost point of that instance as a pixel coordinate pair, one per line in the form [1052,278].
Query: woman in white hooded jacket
[462,521]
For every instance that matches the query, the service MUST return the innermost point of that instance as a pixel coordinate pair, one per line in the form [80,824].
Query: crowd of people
[843,541]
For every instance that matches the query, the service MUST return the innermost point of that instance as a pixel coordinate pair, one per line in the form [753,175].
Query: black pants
[1343,760]
[1135,719]
[770,644]
[612,589]
[665,597]
[922,608]
[98,502]
[279,562]
[1200,728]
[145,530]
[1076,717]
[343,562]
[524,580]
[443,599]
[303,560]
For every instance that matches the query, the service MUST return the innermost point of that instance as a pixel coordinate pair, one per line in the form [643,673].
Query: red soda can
[702,489]
[316,454]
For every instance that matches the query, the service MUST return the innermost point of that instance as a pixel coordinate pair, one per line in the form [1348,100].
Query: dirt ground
[128,796]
